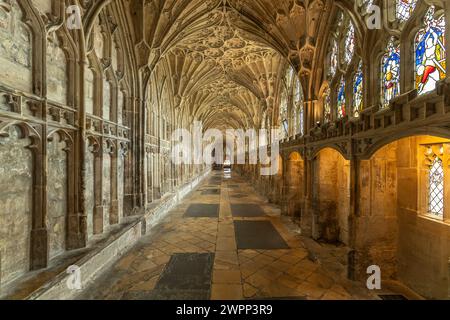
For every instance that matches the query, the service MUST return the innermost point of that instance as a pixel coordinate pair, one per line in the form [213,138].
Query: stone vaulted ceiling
[225,58]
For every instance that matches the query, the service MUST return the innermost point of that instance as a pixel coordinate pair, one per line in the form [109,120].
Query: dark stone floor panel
[210,192]
[247,210]
[202,210]
[187,276]
[258,235]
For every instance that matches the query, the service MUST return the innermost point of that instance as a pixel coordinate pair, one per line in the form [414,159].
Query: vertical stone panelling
[106,99]
[15,48]
[106,186]
[120,106]
[120,184]
[15,205]
[56,71]
[89,192]
[89,87]
[57,196]
[114,58]
[43,6]
[98,40]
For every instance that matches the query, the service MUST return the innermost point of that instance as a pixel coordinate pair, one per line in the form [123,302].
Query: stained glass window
[327,106]
[436,188]
[430,52]
[349,43]
[298,107]
[333,58]
[404,9]
[367,5]
[341,99]
[284,127]
[358,91]
[390,73]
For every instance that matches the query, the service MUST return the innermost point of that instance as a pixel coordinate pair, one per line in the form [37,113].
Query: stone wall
[57,195]
[15,204]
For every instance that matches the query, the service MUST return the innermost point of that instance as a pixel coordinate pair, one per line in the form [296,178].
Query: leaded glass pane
[430,53]
[436,188]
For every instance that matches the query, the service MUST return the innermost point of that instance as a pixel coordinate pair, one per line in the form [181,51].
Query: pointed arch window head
[404,9]
[436,188]
[390,73]
[341,112]
[327,105]
[358,94]
[430,55]
[349,43]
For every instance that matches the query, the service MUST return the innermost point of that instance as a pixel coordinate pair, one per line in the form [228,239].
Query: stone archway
[332,196]
[394,228]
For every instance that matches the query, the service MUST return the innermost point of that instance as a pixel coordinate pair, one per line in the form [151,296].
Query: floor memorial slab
[248,235]
[202,210]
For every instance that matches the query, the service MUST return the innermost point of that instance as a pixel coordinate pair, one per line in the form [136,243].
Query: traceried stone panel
[57,195]
[15,205]
[120,106]
[120,184]
[98,40]
[89,90]
[89,193]
[56,71]
[106,99]
[15,47]
[106,185]
[43,6]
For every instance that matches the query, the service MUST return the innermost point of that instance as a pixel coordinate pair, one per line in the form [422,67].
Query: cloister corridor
[210,247]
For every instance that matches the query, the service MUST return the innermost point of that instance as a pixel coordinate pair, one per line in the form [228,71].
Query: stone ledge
[100,258]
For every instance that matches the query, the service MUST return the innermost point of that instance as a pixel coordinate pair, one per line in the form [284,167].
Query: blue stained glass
[430,53]
[390,73]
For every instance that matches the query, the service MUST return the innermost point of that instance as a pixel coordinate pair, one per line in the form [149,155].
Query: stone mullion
[447,34]
[114,204]
[128,161]
[307,219]
[355,166]
[39,233]
[39,251]
[98,188]
[140,138]
[77,218]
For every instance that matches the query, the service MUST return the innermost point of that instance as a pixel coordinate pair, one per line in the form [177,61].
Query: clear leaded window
[436,188]
[404,9]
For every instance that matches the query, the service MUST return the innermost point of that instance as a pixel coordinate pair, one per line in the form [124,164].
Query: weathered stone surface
[15,204]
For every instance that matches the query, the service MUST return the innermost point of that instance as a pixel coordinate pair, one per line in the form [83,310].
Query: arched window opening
[284,125]
[298,116]
[430,52]
[358,94]
[327,105]
[341,99]
[436,188]
[404,9]
[390,73]
[349,43]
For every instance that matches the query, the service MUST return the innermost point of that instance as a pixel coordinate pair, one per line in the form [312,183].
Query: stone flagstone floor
[300,269]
